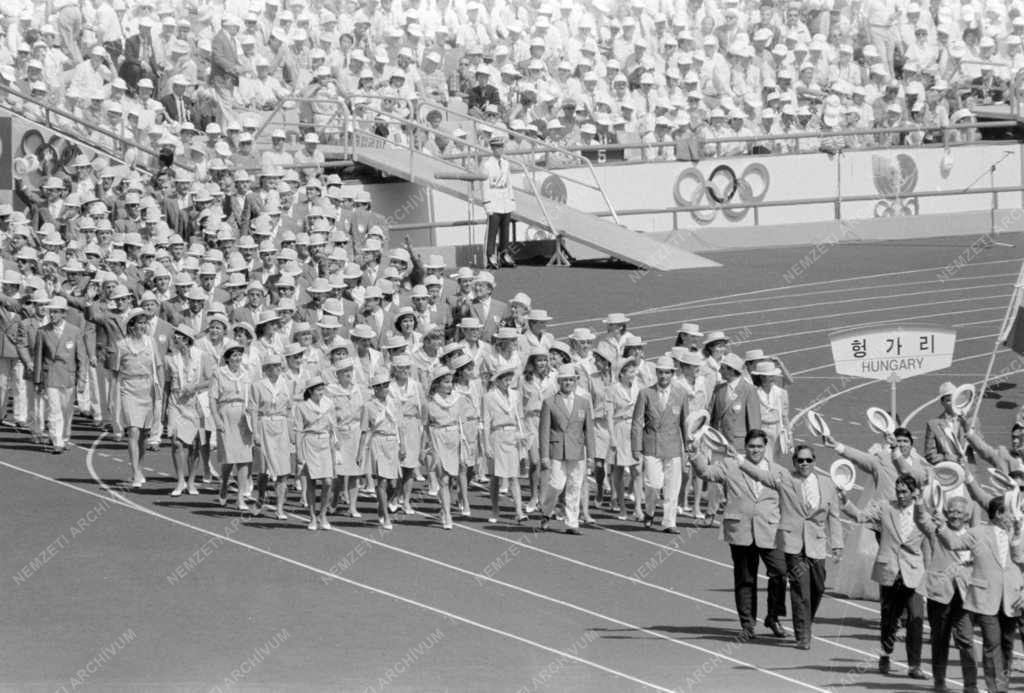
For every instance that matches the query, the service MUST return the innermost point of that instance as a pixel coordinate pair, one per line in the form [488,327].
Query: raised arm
[866,461]
[758,474]
[706,470]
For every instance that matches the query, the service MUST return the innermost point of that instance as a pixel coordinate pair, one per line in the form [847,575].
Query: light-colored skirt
[621,437]
[602,439]
[236,444]
[346,449]
[136,405]
[275,454]
[447,448]
[412,428]
[505,446]
[183,420]
[383,454]
[314,453]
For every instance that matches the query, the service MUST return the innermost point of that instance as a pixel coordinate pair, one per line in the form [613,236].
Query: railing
[535,145]
[534,190]
[50,111]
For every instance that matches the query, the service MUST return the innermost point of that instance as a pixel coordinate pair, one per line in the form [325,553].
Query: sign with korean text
[880,352]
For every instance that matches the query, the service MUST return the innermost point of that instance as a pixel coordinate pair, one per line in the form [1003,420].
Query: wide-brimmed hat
[765,368]
[616,319]
[439,372]
[502,371]
[816,422]
[949,475]
[880,420]
[185,331]
[715,336]
[843,473]
[690,328]
[963,398]
[695,422]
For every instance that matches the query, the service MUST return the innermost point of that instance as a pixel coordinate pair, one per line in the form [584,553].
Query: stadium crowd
[673,76]
[254,313]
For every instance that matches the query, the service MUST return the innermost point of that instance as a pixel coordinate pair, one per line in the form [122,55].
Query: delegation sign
[892,352]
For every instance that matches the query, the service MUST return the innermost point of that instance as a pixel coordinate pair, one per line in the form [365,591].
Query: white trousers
[664,477]
[58,414]
[568,475]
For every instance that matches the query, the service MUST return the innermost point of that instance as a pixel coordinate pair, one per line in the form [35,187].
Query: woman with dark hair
[538,384]
[381,446]
[188,374]
[137,369]
[467,386]
[313,421]
[229,396]
[444,438]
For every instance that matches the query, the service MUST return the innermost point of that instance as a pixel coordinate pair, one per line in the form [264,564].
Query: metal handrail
[500,127]
[50,109]
[534,190]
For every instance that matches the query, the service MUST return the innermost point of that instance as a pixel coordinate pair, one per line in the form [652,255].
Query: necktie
[1002,546]
[906,523]
[811,495]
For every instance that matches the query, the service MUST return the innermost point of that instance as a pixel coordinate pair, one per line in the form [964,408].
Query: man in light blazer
[566,448]
[735,408]
[809,532]
[59,371]
[944,436]
[945,584]
[659,419]
[898,569]
[484,307]
[995,589]
[750,527]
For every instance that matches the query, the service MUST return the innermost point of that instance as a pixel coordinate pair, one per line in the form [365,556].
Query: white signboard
[892,352]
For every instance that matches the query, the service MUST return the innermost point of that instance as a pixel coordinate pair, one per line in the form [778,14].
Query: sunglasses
[805,459]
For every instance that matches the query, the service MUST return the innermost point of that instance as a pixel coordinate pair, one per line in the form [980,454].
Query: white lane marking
[644,583]
[570,605]
[729,298]
[124,502]
[789,308]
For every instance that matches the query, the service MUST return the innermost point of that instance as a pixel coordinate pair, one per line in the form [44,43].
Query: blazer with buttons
[734,415]
[749,518]
[897,554]
[59,358]
[991,588]
[658,431]
[566,435]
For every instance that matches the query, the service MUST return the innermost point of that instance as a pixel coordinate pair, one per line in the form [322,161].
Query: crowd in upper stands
[670,78]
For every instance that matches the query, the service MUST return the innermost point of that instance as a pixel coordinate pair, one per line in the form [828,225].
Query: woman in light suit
[503,440]
[774,402]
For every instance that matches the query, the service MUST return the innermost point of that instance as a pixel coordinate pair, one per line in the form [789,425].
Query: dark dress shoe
[803,644]
[544,522]
[746,634]
[648,521]
[776,628]
[917,673]
[883,665]
[573,530]
[507,260]
[670,530]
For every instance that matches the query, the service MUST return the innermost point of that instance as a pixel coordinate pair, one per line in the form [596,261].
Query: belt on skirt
[317,434]
[384,435]
[443,427]
[140,376]
[273,417]
[502,427]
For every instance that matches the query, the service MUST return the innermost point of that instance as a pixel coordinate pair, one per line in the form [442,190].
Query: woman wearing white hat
[382,444]
[597,386]
[348,401]
[503,440]
[137,370]
[188,374]
[411,404]
[313,420]
[229,395]
[621,402]
[445,439]
[270,406]
[267,341]
[615,330]
[467,385]
[774,403]
[211,344]
[537,385]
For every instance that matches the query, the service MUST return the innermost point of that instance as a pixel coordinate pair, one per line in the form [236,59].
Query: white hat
[817,424]
[843,473]
[880,420]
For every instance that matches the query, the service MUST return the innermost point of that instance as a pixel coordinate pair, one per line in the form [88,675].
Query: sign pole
[893,379]
[1014,303]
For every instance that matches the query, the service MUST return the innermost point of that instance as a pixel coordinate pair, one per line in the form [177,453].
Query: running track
[212,602]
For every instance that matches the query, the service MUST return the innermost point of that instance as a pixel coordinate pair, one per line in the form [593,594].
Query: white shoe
[532,507]
[312,526]
[393,507]
[355,513]
[387,525]
[466,512]
[492,520]
[408,510]
[222,501]
[178,490]
[325,524]
[193,491]
[281,516]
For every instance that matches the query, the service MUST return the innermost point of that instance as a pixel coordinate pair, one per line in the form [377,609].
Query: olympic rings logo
[721,187]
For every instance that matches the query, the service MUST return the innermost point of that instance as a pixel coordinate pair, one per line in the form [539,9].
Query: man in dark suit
[177,105]
[139,57]
[59,370]
[566,448]
[749,526]
[735,408]
[809,532]
[659,420]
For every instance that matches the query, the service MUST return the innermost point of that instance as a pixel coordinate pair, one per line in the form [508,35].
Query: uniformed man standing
[499,202]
